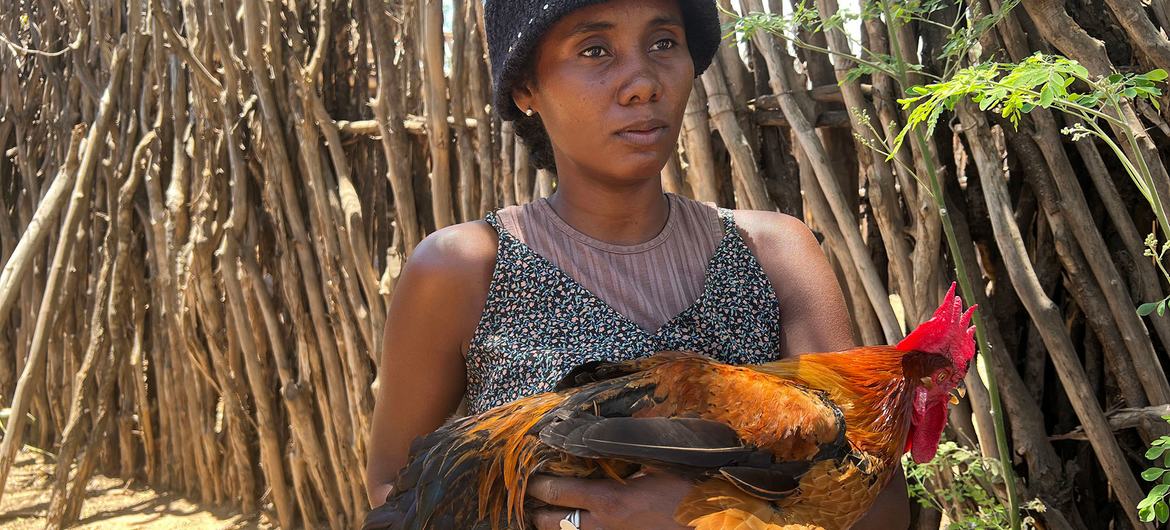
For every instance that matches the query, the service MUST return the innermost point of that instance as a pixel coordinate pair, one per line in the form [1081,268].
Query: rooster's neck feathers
[870,386]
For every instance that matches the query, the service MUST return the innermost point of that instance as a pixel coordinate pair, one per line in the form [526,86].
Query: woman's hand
[647,501]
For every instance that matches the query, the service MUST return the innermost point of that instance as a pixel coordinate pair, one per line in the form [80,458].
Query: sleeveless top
[648,282]
[538,322]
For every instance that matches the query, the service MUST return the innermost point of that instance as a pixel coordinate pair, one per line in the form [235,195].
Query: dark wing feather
[772,483]
[691,442]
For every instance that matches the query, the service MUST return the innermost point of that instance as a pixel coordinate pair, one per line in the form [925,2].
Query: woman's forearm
[891,510]
[378,493]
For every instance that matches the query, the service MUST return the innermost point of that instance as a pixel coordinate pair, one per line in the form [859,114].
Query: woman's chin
[639,164]
[637,173]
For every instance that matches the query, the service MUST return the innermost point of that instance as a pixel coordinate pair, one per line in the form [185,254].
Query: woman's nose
[641,83]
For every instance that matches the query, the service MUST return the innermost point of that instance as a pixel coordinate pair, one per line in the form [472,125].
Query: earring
[529,112]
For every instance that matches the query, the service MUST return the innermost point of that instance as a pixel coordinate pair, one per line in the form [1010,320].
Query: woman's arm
[433,312]
[814,318]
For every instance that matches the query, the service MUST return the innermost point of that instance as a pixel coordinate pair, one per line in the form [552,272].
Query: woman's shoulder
[468,245]
[786,248]
[453,263]
[775,231]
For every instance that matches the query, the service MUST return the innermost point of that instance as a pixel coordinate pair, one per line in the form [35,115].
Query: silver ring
[572,521]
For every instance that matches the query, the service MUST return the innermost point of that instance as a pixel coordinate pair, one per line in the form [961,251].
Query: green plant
[1154,506]
[960,482]
[1158,256]
[1050,82]
[1058,83]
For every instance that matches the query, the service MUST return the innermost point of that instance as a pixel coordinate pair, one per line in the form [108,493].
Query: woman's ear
[522,96]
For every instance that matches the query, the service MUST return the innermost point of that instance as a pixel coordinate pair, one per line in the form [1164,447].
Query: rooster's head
[948,333]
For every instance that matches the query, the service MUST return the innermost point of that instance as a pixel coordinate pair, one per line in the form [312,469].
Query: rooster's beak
[958,393]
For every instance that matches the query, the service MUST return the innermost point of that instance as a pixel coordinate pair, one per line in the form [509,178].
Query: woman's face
[611,84]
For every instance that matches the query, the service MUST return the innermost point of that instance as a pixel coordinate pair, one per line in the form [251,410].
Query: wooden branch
[81,189]
[1076,209]
[435,97]
[37,231]
[416,125]
[822,94]
[696,138]
[1146,277]
[1121,419]
[743,159]
[887,210]
[836,119]
[1153,43]
[179,45]
[478,91]
[267,422]
[1055,25]
[386,125]
[844,214]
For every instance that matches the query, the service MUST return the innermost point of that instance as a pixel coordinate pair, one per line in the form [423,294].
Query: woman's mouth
[645,133]
[645,138]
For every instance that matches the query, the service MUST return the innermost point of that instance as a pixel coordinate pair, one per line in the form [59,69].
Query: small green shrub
[960,483]
[1154,506]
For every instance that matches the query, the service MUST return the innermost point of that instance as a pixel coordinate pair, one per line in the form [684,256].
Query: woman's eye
[664,44]
[594,52]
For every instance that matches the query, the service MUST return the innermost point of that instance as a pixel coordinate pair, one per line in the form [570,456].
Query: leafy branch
[959,482]
[1061,84]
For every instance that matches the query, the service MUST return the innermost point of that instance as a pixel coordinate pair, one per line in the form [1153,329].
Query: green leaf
[1146,514]
[1153,473]
[1162,308]
[1159,491]
[1154,452]
[1156,75]
[1162,510]
[1047,94]
[1146,309]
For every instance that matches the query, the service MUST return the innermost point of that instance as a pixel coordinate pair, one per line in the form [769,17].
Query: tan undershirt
[648,283]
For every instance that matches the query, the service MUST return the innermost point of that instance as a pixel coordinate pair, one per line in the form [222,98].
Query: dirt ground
[109,503]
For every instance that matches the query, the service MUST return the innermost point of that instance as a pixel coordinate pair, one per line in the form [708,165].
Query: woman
[608,267]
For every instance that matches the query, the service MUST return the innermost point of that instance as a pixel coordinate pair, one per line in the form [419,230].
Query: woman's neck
[623,216]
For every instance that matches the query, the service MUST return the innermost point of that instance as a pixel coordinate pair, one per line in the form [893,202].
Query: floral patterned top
[538,322]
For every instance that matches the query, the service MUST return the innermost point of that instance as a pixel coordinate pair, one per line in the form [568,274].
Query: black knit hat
[515,26]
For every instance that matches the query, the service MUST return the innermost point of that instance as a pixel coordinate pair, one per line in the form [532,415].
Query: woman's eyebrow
[590,27]
[595,26]
[665,20]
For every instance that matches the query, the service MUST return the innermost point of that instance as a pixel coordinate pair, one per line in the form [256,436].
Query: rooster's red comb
[948,332]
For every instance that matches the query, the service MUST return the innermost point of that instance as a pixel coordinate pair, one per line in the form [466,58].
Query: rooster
[800,443]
